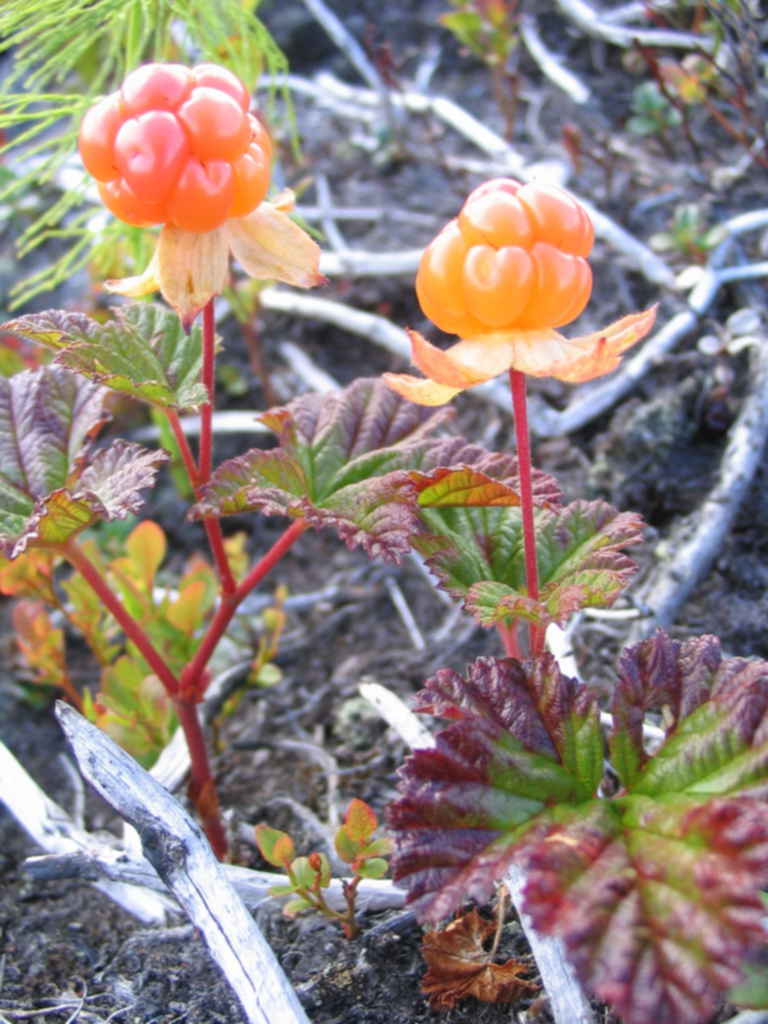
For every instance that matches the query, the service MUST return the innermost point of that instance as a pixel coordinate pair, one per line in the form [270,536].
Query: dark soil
[656,453]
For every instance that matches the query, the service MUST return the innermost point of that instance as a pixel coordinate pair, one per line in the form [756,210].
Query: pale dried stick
[356,55]
[506,160]
[306,369]
[551,66]
[180,854]
[636,10]
[697,541]
[585,17]
[398,599]
[52,829]
[330,228]
[568,1003]
[368,325]
[92,865]
[359,263]
[594,399]
[346,42]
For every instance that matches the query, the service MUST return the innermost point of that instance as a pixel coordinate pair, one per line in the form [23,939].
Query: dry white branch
[691,551]
[568,1003]
[592,22]
[398,716]
[346,42]
[178,851]
[368,325]
[54,831]
[88,865]
[327,221]
[550,65]
[593,399]
[365,213]
[398,599]
[359,263]
[306,369]
[505,160]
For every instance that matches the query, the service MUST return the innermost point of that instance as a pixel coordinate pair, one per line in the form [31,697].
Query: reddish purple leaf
[657,903]
[52,484]
[520,744]
[347,460]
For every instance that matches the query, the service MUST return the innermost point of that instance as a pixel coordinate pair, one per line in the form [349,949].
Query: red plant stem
[205,458]
[212,525]
[191,677]
[508,634]
[186,452]
[216,544]
[80,561]
[202,789]
[522,437]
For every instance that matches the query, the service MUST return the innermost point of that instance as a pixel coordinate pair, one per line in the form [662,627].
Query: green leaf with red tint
[275,846]
[51,485]
[655,891]
[143,352]
[657,901]
[354,460]
[525,739]
[659,673]
[478,555]
[360,821]
[717,739]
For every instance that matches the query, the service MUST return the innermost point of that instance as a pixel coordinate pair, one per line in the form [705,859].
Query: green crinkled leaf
[721,747]
[655,891]
[143,352]
[477,553]
[51,484]
[657,902]
[354,460]
[524,740]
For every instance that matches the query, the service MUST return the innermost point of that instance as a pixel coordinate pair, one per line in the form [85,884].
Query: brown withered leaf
[459,966]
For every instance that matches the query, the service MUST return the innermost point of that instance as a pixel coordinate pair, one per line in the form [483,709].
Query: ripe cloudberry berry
[502,275]
[177,146]
[515,257]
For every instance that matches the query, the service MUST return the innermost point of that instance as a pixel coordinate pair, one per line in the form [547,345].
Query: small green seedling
[309,876]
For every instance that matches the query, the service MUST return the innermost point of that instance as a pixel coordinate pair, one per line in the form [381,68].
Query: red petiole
[187,690]
[522,437]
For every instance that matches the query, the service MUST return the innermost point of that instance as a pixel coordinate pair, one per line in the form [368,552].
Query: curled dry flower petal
[190,267]
[537,353]
[270,246]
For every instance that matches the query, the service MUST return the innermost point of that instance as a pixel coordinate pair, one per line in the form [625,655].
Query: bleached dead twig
[550,65]
[178,851]
[690,557]
[567,1001]
[506,160]
[397,597]
[306,369]
[54,831]
[327,221]
[585,17]
[594,399]
[346,42]
[373,894]
[368,325]
[398,716]
[359,263]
